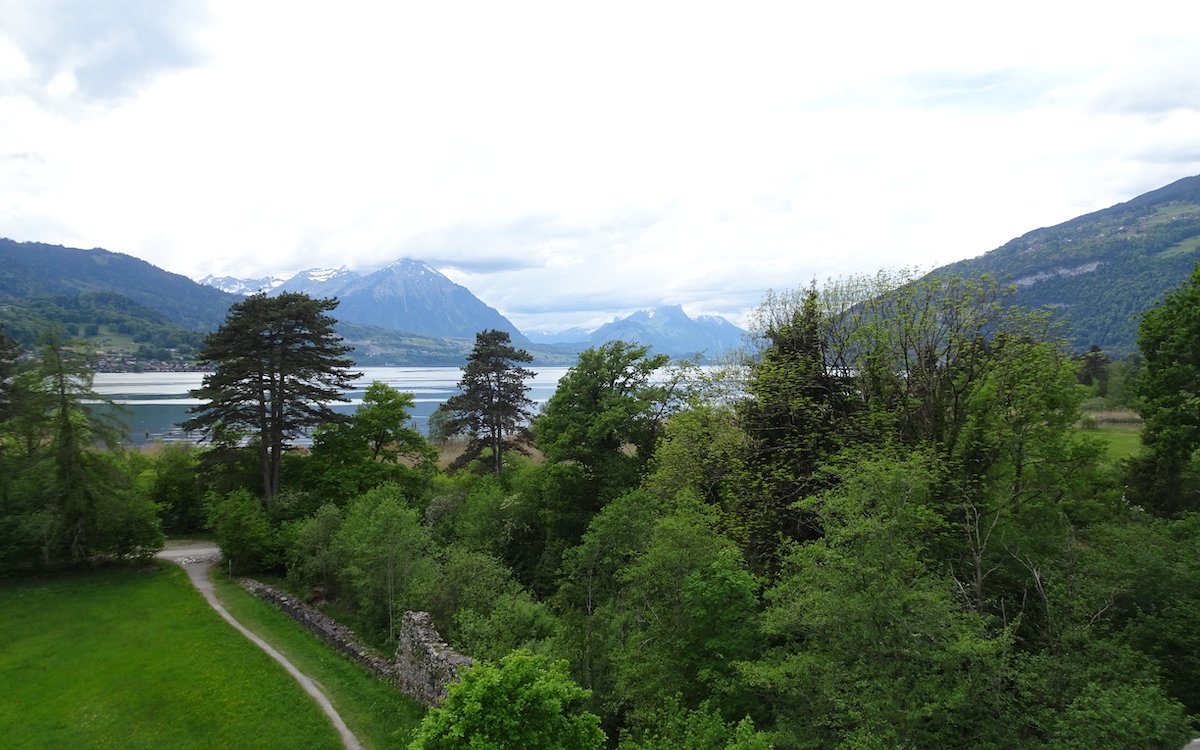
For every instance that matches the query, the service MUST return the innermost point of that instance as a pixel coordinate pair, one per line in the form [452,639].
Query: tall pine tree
[492,408]
[278,364]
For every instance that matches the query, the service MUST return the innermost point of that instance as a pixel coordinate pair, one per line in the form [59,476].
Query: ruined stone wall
[340,637]
[424,666]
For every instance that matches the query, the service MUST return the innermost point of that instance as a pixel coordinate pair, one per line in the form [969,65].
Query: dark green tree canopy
[278,364]
[606,413]
[1169,392]
[492,408]
[10,352]
[377,445]
[62,498]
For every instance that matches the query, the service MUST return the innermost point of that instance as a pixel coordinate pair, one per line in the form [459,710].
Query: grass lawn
[1120,442]
[375,711]
[134,658]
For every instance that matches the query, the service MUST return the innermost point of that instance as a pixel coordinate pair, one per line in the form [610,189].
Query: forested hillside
[1101,271]
[34,269]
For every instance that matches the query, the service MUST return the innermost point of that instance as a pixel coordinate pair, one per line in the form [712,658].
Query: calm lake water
[155,402]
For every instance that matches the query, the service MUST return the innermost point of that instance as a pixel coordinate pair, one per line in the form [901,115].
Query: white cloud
[570,164]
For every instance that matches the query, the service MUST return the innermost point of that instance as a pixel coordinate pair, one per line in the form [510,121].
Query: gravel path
[197,559]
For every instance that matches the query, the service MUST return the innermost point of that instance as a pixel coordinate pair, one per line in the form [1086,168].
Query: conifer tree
[492,408]
[278,364]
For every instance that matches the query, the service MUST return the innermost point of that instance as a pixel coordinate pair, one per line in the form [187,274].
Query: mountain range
[410,295]
[1097,273]
[663,329]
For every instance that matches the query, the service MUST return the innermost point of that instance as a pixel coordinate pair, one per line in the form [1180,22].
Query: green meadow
[378,714]
[1119,442]
[134,658]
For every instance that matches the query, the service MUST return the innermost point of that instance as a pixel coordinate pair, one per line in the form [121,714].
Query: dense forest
[881,527]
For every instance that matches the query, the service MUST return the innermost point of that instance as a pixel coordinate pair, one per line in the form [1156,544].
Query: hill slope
[1099,272]
[34,269]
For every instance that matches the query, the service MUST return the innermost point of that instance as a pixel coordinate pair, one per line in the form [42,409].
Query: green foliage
[171,482]
[513,621]
[1139,578]
[10,352]
[313,557]
[491,408]
[688,613]
[672,727]
[874,651]
[522,703]
[698,452]
[278,364]
[605,416]
[478,604]
[247,539]
[1121,716]
[798,412]
[888,534]
[1169,394]
[376,445]
[127,332]
[387,557]
[65,500]
[591,597]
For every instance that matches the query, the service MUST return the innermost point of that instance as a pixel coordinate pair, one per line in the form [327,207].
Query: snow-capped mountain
[232,285]
[410,295]
[407,295]
[569,336]
[319,282]
[669,330]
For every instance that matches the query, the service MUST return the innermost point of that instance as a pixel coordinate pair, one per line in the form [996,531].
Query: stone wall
[424,666]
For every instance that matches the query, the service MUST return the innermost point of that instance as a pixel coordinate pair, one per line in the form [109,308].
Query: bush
[246,538]
[523,703]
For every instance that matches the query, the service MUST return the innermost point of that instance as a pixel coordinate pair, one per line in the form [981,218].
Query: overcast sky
[569,162]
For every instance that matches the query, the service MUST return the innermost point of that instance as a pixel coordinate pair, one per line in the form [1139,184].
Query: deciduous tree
[522,703]
[1169,392]
[375,446]
[606,414]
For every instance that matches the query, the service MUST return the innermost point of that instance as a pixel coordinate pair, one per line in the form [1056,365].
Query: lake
[155,402]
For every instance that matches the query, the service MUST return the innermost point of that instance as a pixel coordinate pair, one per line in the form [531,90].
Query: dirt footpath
[197,558]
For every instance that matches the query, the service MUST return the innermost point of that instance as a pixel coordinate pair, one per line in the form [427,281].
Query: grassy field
[1121,442]
[377,713]
[134,658]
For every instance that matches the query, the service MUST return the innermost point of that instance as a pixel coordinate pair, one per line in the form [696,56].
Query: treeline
[881,529]
[68,493]
[131,328]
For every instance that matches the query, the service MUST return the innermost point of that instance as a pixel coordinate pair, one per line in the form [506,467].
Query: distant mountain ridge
[243,287]
[406,295]
[36,269]
[317,282]
[410,295]
[669,330]
[1099,272]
